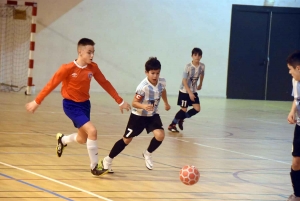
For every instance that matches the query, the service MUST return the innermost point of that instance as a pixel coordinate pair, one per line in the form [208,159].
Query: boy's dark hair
[196,51]
[152,64]
[85,41]
[294,59]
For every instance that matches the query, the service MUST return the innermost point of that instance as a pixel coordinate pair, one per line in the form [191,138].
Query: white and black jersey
[192,73]
[296,94]
[149,94]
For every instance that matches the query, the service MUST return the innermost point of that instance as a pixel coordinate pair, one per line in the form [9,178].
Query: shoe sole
[173,131]
[101,174]
[145,164]
[109,171]
[58,135]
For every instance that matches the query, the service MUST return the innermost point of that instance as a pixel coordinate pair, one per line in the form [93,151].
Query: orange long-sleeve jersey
[76,82]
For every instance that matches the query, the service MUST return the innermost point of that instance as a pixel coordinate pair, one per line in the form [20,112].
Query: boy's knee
[81,140]
[160,136]
[184,109]
[127,140]
[296,163]
[92,133]
[197,107]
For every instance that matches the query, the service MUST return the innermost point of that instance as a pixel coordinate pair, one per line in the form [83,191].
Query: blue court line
[34,186]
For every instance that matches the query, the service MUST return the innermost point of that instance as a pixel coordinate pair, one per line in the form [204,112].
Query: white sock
[69,138]
[108,159]
[147,153]
[92,148]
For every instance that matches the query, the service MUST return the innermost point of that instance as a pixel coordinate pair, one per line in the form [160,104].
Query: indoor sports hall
[240,141]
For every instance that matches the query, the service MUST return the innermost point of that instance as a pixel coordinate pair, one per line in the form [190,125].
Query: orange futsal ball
[189,175]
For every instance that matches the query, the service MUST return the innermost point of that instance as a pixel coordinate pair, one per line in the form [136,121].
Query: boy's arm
[107,86]
[200,83]
[186,86]
[136,102]
[165,99]
[191,94]
[291,117]
[52,84]
[56,79]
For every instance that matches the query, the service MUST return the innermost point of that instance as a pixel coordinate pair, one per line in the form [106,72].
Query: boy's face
[153,76]
[294,72]
[86,53]
[196,58]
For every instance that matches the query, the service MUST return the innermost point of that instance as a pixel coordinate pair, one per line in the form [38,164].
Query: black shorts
[185,101]
[136,124]
[296,142]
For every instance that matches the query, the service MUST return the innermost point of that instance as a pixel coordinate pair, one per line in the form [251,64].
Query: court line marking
[37,187]
[56,181]
[236,152]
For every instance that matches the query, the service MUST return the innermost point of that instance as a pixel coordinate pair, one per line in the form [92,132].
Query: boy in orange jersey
[76,78]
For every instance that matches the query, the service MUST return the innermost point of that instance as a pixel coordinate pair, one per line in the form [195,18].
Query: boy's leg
[118,147]
[295,176]
[79,113]
[66,139]
[295,169]
[63,140]
[179,115]
[154,125]
[191,112]
[88,130]
[134,127]
[184,101]
[156,141]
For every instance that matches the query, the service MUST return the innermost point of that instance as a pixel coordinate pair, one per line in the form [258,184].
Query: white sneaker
[148,160]
[293,198]
[106,165]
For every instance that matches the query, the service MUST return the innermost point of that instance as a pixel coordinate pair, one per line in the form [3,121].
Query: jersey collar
[79,65]
[194,65]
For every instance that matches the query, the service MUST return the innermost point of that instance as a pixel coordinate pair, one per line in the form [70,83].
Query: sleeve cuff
[121,103]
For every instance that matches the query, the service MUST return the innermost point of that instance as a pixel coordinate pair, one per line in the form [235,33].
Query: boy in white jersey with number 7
[144,114]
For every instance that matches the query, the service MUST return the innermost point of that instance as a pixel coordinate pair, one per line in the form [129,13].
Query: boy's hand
[291,118]
[125,106]
[148,107]
[31,106]
[167,107]
[199,87]
[192,96]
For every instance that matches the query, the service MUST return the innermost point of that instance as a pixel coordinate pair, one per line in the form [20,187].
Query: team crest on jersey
[90,75]
[194,80]
[74,74]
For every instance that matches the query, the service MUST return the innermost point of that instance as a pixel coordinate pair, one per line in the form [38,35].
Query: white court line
[56,181]
[181,140]
[236,152]
[270,122]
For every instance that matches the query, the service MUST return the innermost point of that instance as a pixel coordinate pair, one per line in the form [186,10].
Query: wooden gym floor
[242,149]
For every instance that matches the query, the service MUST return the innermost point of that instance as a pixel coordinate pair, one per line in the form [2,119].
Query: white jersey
[149,95]
[296,94]
[192,73]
